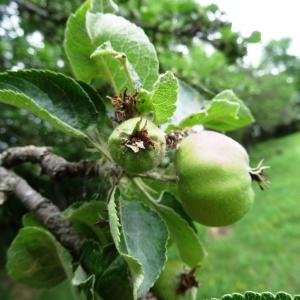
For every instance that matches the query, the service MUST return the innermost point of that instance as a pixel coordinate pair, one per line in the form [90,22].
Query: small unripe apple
[137,145]
[214,178]
[176,282]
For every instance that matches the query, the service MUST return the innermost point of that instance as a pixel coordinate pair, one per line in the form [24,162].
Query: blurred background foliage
[196,42]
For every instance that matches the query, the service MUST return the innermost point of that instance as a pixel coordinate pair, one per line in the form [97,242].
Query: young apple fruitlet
[137,145]
[176,282]
[214,178]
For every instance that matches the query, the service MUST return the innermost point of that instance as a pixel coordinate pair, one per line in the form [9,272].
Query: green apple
[137,145]
[214,178]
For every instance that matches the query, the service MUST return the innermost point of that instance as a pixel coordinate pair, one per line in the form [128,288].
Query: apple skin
[214,182]
[143,160]
[167,284]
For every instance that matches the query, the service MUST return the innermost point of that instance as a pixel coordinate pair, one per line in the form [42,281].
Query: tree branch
[45,211]
[148,296]
[57,167]
[53,165]
[40,11]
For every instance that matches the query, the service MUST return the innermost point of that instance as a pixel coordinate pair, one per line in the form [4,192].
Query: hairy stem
[159,177]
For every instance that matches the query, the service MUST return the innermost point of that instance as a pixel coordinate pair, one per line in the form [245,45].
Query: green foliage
[189,100]
[139,223]
[107,272]
[210,73]
[115,283]
[259,296]
[78,46]
[132,48]
[145,256]
[207,72]
[85,218]
[133,264]
[37,259]
[84,282]
[50,96]
[164,96]
[189,245]
[151,15]
[29,220]
[273,101]
[170,22]
[255,37]
[225,112]
[104,5]
[277,56]
[181,230]
[127,75]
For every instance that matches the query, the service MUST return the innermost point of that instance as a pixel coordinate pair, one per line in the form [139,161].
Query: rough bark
[45,211]
[52,165]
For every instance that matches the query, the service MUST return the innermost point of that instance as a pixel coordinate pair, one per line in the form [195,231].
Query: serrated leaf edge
[261,294]
[166,245]
[115,224]
[57,122]
[155,88]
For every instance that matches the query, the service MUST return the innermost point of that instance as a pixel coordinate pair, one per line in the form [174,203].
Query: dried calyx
[187,280]
[137,145]
[125,105]
[175,137]
[140,140]
[257,174]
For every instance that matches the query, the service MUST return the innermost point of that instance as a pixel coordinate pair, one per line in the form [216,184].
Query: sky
[273,18]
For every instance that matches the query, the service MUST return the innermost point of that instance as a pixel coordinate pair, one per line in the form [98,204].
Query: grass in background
[262,251]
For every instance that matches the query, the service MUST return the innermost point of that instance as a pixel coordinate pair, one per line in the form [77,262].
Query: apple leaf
[87,30]
[254,38]
[106,54]
[181,231]
[36,259]
[53,97]
[104,6]
[164,96]
[225,112]
[84,282]
[134,265]
[186,239]
[115,284]
[86,217]
[145,237]
[131,226]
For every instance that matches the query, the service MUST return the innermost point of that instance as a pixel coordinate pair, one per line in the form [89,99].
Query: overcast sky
[273,18]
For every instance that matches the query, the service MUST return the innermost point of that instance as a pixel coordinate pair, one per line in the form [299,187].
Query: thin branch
[3,197]
[139,184]
[40,11]
[158,177]
[33,8]
[53,165]
[57,167]
[45,211]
